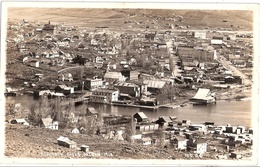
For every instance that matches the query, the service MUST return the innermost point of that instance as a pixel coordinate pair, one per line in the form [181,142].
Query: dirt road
[230,67]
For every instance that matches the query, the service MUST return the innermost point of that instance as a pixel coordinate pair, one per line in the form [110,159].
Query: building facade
[128,88]
[104,96]
[91,84]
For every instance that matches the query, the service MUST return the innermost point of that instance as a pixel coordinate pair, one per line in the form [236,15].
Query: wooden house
[49,123]
[140,117]
[179,142]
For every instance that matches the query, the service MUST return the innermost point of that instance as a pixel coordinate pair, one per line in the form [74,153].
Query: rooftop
[114,75]
[126,84]
[142,115]
[202,94]
[154,83]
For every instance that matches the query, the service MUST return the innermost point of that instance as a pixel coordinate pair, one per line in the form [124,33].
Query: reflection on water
[223,112]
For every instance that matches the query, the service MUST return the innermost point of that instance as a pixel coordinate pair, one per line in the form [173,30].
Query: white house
[146,141]
[180,143]
[49,123]
[201,146]
[75,130]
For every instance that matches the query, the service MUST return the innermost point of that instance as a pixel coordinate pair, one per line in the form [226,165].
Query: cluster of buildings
[134,69]
[124,67]
[203,139]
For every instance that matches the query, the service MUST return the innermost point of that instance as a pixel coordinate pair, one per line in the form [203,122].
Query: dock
[134,105]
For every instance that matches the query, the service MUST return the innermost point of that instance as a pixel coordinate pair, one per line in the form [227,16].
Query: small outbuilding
[146,141]
[66,142]
[84,148]
[19,121]
[140,117]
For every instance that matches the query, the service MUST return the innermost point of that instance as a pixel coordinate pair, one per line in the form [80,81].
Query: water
[222,113]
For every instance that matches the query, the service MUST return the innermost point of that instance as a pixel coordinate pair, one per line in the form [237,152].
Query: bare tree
[34,115]
[10,109]
[130,130]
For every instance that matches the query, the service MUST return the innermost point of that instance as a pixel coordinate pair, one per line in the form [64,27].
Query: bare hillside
[91,17]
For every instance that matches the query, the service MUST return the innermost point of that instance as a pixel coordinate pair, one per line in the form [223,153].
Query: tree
[10,109]
[161,136]
[147,65]
[172,65]
[79,60]
[34,115]
[80,73]
[130,130]
[100,117]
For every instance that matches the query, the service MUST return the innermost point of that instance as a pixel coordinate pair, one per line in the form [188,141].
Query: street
[235,71]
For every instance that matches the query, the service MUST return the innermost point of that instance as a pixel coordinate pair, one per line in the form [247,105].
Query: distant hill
[92,17]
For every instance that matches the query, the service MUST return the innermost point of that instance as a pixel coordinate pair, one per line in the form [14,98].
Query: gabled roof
[180,138]
[126,84]
[154,83]
[75,129]
[64,139]
[64,87]
[84,146]
[202,94]
[92,110]
[70,142]
[115,75]
[165,119]
[47,121]
[21,120]
[142,115]
[200,141]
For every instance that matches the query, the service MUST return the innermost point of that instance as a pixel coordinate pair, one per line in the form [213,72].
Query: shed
[71,144]
[140,117]
[236,155]
[62,140]
[84,148]
[35,63]
[19,121]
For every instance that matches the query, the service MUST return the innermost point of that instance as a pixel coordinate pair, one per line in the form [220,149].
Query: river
[222,113]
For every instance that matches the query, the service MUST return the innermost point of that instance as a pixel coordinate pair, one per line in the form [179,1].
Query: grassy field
[116,17]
